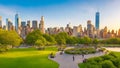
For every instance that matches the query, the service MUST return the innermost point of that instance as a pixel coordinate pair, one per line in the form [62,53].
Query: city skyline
[64,11]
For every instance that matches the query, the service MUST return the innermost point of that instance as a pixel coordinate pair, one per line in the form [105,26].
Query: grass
[27,58]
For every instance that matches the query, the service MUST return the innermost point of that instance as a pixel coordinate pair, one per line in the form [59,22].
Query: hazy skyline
[60,12]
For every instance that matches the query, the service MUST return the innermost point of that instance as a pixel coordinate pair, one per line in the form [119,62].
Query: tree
[8,39]
[86,40]
[61,38]
[95,42]
[50,40]
[33,37]
[40,43]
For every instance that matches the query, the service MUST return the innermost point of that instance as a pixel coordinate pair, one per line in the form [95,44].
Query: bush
[113,54]
[106,61]
[116,62]
[93,66]
[4,48]
[107,64]
[107,57]
[95,60]
[80,51]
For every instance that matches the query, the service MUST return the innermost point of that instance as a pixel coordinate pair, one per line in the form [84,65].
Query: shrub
[93,66]
[116,62]
[107,64]
[107,57]
[80,51]
[113,54]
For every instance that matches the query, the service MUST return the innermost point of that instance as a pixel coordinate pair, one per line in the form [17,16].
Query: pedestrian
[73,57]
[82,55]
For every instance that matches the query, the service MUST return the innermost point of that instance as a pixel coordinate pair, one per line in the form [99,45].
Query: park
[57,51]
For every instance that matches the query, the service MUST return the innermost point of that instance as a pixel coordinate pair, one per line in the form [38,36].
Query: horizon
[66,11]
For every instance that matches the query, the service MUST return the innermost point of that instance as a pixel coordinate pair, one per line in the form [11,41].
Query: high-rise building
[4,27]
[34,24]
[97,20]
[17,22]
[9,24]
[29,23]
[0,22]
[90,29]
[23,24]
[41,25]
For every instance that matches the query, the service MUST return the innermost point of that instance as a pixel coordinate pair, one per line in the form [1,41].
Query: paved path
[66,61]
[117,49]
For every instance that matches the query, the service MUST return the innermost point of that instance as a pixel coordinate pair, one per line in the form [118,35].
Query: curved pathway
[66,61]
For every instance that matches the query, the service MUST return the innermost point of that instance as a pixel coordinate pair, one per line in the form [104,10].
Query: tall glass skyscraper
[97,20]
[17,22]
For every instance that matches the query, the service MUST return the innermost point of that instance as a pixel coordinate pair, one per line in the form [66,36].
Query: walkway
[66,61]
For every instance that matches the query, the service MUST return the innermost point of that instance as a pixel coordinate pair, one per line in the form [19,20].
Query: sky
[58,13]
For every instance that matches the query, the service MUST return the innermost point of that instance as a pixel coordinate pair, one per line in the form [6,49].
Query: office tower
[97,20]
[105,30]
[29,23]
[0,22]
[35,24]
[17,22]
[75,31]
[41,25]
[90,29]
[23,24]
[4,27]
[9,24]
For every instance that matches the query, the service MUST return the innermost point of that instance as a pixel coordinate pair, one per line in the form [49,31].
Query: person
[84,60]
[82,55]
[73,57]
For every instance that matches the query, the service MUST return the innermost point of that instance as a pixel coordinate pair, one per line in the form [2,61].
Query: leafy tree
[61,38]
[86,40]
[33,37]
[8,39]
[50,40]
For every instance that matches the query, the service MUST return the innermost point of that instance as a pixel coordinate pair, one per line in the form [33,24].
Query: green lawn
[27,58]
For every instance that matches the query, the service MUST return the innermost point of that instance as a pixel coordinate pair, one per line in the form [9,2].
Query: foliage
[80,51]
[33,37]
[61,38]
[112,60]
[49,39]
[9,38]
[107,64]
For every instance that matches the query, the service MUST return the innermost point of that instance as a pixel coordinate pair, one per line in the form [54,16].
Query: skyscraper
[97,20]
[29,23]
[41,25]
[17,22]
[34,24]
[9,24]
[23,24]
[0,22]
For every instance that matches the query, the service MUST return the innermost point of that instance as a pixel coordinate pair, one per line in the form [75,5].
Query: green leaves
[10,38]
